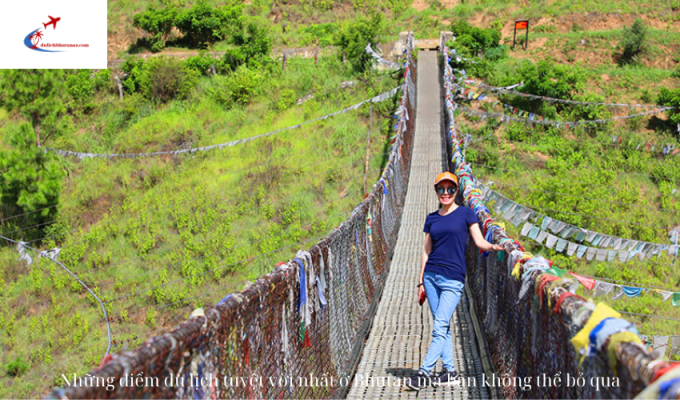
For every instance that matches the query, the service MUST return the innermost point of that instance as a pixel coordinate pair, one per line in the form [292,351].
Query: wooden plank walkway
[401,331]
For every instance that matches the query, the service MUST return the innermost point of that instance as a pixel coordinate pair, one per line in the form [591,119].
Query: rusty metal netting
[529,322]
[296,332]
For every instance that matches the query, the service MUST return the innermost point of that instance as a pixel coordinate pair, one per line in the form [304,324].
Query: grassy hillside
[157,237]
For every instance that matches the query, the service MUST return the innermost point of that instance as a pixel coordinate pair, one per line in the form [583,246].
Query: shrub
[133,68]
[286,99]
[239,87]
[676,72]
[158,23]
[671,98]
[17,367]
[204,24]
[549,79]
[590,112]
[633,42]
[164,79]
[204,62]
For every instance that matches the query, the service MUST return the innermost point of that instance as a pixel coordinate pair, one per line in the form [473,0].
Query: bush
[286,99]
[204,62]
[676,72]
[133,69]
[671,98]
[239,87]
[552,80]
[204,24]
[590,112]
[17,367]
[158,23]
[633,43]
[164,79]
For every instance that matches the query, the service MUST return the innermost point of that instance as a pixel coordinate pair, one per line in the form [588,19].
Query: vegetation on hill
[155,237]
[604,177]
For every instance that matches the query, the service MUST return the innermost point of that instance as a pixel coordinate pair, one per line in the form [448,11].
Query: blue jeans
[443,295]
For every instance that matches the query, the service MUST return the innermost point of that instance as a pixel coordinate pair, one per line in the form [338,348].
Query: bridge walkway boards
[401,331]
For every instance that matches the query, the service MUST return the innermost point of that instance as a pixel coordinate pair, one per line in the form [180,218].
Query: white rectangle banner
[53,34]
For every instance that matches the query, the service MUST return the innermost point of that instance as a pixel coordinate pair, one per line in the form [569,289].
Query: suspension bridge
[342,320]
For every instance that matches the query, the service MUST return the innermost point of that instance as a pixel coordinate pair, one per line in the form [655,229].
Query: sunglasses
[450,190]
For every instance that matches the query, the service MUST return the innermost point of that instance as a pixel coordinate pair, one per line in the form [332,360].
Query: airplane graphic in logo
[53,21]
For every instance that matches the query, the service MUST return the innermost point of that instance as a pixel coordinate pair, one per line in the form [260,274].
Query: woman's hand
[421,290]
[497,247]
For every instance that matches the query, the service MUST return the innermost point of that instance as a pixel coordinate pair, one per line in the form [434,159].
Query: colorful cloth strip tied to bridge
[536,325]
[296,332]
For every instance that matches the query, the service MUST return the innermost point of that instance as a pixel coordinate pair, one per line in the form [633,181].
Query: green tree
[37,95]
[633,43]
[204,24]
[354,37]
[30,180]
[158,23]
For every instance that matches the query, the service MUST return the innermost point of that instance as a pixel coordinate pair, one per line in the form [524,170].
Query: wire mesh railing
[545,341]
[296,332]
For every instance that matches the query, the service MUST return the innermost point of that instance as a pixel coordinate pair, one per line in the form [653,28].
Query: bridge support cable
[293,332]
[537,329]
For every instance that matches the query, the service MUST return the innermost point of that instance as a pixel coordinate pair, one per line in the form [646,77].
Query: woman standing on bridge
[442,276]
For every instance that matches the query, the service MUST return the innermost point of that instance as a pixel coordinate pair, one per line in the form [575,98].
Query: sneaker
[418,381]
[447,378]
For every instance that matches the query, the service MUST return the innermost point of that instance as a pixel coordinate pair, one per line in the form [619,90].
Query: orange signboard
[521,24]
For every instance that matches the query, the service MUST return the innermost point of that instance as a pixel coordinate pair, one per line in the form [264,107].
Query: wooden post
[344,57]
[316,57]
[285,58]
[120,87]
[368,147]
[212,66]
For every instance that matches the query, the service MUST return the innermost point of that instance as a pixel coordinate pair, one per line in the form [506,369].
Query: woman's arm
[480,242]
[426,254]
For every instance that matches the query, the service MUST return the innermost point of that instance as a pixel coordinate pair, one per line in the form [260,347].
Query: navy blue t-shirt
[449,235]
